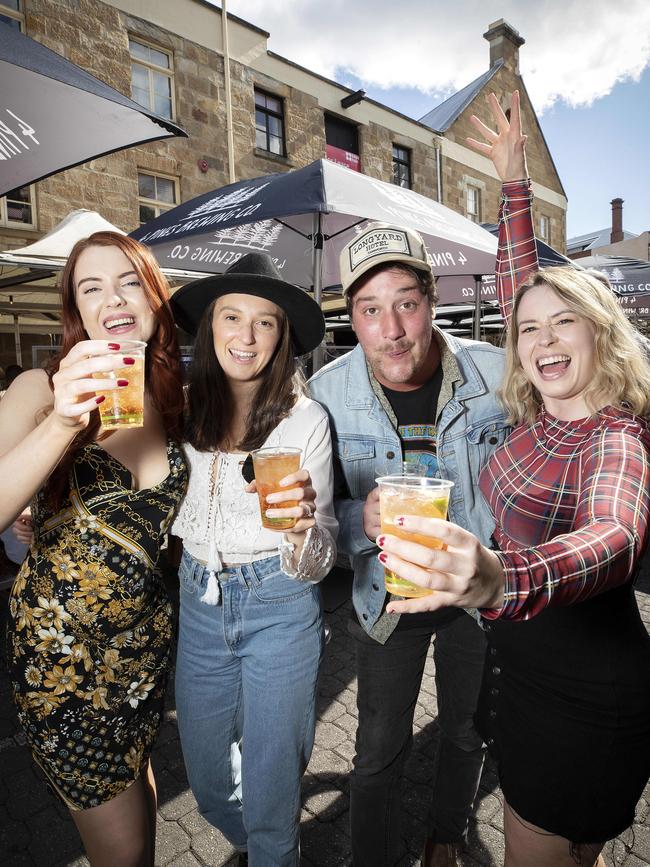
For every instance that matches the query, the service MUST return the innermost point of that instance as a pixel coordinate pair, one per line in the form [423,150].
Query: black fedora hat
[253,274]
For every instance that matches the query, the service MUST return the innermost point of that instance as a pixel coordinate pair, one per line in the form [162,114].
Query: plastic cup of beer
[271,465]
[421,496]
[124,407]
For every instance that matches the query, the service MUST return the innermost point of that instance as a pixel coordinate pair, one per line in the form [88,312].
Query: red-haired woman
[90,623]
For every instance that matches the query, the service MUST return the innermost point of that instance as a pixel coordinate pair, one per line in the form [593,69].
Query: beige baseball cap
[380,243]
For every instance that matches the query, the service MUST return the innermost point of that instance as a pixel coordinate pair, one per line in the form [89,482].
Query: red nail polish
[113,345]
[122,382]
[381,540]
[383,557]
[129,360]
[100,398]
[399,521]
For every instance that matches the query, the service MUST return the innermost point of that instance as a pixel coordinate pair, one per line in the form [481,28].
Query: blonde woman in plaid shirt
[565,702]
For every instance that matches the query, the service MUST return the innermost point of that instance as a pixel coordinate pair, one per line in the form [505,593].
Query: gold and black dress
[90,627]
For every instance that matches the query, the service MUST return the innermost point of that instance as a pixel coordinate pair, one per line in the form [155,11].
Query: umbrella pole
[318,355]
[19,352]
[477,307]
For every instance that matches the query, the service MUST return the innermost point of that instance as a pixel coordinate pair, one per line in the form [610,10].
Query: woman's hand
[22,527]
[74,385]
[507,147]
[298,488]
[466,574]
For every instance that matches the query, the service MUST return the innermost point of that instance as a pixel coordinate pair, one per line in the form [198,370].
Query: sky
[586,66]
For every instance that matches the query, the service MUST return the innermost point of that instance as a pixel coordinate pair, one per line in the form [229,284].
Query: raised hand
[506,147]
[464,574]
[74,384]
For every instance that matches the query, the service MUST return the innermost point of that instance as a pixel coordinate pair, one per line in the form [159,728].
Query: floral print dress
[90,627]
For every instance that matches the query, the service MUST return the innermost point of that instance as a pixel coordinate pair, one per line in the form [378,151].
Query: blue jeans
[389,679]
[247,671]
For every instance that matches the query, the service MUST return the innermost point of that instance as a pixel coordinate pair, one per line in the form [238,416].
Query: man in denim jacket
[410,393]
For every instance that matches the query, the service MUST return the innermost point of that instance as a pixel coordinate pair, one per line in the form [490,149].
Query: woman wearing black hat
[250,635]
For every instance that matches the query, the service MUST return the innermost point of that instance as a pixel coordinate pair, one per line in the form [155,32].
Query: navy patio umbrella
[54,115]
[302,219]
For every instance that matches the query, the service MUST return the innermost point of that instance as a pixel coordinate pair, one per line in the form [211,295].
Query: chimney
[617,221]
[505,42]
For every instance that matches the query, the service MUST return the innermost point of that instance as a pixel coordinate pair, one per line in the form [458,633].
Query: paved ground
[35,831]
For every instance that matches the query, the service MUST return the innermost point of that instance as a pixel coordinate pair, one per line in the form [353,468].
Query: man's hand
[371,520]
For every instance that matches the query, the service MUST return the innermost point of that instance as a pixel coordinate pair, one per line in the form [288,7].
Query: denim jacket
[366,445]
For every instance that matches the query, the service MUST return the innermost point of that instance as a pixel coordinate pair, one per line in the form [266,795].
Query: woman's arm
[506,147]
[600,553]
[30,450]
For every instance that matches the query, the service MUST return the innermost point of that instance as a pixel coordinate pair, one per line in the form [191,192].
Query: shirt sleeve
[601,553]
[319,550]
[517,253]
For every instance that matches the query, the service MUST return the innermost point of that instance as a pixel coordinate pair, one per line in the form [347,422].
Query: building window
[156,193]
[11,13]
[269,123]
[152,78]
[17,208]
[402,167]
[473,204]
[545,228]
[342,142]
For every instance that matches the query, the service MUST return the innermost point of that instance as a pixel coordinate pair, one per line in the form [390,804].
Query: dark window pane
[260,99]
[147,186]
[11,4]
[147,213]
[260,139]
[274,104]
[260,120]
[165,191]
[275,126]
[341,134]
[10,21]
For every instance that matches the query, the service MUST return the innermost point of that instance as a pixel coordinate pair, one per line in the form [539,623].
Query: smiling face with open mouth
[557,350]
[246,330]
[111,300]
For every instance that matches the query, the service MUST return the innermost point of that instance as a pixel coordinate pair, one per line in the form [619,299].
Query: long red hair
[163,375]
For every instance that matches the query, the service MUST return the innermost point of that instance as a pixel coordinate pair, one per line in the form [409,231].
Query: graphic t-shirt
[416,423]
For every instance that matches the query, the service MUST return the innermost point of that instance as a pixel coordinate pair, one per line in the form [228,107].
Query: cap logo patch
[377,243]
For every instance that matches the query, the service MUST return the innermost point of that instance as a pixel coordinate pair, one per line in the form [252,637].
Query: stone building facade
[101,37]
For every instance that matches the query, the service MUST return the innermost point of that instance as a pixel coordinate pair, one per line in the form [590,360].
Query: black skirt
[565,711]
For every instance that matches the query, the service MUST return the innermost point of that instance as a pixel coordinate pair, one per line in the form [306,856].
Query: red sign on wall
[343,158]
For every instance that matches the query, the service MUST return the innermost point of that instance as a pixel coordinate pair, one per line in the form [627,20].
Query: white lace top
[220,523]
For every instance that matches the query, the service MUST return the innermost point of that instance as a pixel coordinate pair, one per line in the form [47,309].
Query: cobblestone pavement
[35,831]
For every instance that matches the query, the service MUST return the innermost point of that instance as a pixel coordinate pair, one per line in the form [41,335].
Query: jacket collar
[361,387]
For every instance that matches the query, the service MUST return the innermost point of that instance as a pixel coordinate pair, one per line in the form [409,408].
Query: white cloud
[576,50]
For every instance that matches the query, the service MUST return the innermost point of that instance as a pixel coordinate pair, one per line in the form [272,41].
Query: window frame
[6,223]
[474,216]
[151,68]
[268,112]
[401,162]
[157,204]
[16,15]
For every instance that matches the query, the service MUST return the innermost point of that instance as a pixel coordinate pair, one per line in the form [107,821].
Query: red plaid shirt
[570,499]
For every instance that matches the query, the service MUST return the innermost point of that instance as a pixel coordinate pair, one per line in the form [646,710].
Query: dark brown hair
[426,282]
[210,400]
[163,374]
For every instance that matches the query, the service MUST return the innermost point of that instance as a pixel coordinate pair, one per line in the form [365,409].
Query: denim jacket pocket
[270,584]
[191,574]
[485,436]
[357,458]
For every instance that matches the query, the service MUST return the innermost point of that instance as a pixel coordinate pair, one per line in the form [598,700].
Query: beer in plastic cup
[411,495]
[271,465]
[124,407]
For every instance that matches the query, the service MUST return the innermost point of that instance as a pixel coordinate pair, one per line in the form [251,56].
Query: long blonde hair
[622,372]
